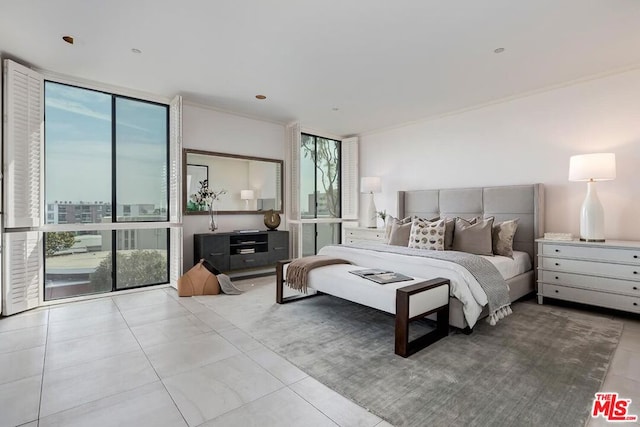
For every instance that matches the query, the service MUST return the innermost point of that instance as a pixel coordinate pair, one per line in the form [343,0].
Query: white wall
[523,141]
[211,130]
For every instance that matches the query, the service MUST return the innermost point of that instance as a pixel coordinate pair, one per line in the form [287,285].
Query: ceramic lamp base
[371,220]
[592,216]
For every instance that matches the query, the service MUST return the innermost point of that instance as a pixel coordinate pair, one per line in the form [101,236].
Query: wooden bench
[408,301]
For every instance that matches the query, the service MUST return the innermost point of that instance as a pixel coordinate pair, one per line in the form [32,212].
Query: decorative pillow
[389,225]
[503,234]
[427,235]
[473,238]
[399,235]
[449,226]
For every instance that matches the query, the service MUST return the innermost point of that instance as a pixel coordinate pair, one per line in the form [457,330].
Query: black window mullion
[315,193]
[315,180]
[114,210]
[339,172]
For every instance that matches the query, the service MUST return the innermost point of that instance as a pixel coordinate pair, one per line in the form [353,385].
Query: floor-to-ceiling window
[319,192]
[106,192]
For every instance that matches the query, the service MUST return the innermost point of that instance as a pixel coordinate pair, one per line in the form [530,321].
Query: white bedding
[508,267]
[463,285]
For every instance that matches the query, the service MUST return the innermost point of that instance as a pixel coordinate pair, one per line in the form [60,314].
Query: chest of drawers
[358,234]
[603,274]
[231,252]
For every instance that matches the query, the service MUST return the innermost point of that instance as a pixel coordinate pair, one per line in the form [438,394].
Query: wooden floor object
[403,347]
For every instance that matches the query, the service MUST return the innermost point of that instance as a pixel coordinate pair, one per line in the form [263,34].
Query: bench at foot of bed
[405,300]
[412,302]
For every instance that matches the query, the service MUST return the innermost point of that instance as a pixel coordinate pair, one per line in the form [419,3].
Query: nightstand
[359,234]
[605,274]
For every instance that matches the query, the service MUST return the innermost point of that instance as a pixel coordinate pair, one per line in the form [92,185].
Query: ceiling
[379,63]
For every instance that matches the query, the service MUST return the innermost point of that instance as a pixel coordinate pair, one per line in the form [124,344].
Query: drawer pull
[635,272]
[557,278]
[557,291]
[557,263]
[279,248]
[635,288]
[635,303]
[557,250]
[249,260]
[635,257]
[216,254]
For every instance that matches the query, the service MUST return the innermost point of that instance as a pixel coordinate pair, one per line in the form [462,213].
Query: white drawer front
[618,271]
[591,282]
[364,234]
[619,302]
[631,256]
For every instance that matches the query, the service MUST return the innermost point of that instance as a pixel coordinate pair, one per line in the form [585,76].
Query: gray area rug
[539,366]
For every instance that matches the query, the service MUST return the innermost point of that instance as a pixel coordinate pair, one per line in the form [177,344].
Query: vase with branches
[206,197]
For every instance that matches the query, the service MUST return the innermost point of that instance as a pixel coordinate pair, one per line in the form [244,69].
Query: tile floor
[153,359]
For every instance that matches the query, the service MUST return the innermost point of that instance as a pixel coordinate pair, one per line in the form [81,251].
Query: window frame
[115,225]
[322,220]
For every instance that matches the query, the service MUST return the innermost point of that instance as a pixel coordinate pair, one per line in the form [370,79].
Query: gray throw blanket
[487,275]
[227,286]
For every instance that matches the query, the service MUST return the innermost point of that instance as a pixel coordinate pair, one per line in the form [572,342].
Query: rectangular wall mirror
[253,185]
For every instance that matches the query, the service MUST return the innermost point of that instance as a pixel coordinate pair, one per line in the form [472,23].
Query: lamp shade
[592,167]
[246,194]
[370,184]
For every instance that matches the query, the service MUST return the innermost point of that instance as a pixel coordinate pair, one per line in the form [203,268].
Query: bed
[466,305]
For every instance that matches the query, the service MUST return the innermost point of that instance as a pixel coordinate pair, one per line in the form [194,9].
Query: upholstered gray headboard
[515,201]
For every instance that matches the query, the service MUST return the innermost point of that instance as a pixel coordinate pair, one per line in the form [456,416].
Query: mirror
[251,185]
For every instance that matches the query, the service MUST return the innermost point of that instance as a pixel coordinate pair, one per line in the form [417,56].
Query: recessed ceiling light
[498,50]
[68,39]
[261,97]
[134,50]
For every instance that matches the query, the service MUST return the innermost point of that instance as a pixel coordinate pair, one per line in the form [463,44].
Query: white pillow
[427,235]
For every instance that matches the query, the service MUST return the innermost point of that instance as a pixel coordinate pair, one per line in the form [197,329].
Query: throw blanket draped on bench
[298,269]
[487,275]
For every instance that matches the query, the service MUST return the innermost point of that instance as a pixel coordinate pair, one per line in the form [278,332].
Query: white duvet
[463,285]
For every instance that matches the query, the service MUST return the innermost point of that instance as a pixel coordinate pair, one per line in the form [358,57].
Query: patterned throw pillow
[427,235]
[502,237]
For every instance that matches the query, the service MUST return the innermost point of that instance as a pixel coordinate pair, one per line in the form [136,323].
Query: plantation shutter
[23,142]
[175,160]
[175,250]
[175,190]
[22,261]
[293,145]
[349,178]
[22,253]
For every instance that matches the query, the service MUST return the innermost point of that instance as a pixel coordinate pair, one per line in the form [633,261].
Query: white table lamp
[371,184]
[592,168]
[246,195]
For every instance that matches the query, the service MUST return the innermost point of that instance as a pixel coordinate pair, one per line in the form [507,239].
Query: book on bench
[381,276]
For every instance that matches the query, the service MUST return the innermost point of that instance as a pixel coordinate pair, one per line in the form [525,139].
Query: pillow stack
[480,236]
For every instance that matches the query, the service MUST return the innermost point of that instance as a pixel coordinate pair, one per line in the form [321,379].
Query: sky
[78,148]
